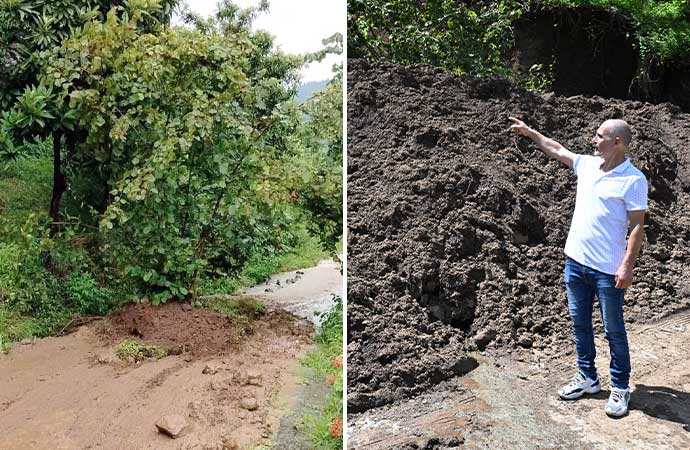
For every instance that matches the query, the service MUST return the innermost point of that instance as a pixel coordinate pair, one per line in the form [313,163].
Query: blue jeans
[582,283]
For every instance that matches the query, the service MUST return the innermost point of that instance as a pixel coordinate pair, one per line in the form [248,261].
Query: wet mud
[457,228]
[238,384]
[179,328]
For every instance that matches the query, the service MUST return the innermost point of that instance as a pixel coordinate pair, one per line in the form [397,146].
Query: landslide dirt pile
[457,228]
[179,328]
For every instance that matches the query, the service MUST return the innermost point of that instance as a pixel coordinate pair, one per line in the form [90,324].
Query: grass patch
[25,187]
[139,351]
[44,281]
[236,308]
[307,254]
[325,430]
[339,246]
[26,309]
[241,311]
[13,327]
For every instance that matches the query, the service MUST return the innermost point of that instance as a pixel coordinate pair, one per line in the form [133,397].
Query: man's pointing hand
[519,127]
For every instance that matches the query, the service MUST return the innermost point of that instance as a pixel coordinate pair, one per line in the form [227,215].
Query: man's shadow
[663,403]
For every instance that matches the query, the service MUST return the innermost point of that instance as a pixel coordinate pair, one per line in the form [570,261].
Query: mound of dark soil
[179,328]
[457,228]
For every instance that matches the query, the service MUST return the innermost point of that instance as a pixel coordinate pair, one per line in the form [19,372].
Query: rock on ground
[172,425]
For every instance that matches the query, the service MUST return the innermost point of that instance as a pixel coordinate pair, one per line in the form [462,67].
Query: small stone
[217,386]
[526,341]
[254,378]
[105,358]
[229,443]
[484,337]
[249,403]
[210,369]
[173,425]
[186,307]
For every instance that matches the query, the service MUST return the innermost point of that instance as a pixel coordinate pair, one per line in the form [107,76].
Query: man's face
[604,141]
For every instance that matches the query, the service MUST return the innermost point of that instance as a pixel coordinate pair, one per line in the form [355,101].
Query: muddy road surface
[510,402]
[286,291]
[234,386]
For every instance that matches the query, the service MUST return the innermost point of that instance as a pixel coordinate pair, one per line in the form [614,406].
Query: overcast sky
[298,26]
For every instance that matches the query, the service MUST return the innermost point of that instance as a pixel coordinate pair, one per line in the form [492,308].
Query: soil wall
[457,228]
[593,51]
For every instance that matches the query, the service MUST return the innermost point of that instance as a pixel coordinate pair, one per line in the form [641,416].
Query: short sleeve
[584,163]
[577,162]
[636,195]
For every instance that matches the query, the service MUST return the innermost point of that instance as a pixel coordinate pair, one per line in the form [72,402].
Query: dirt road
[510,403]
[71,392]
[289,292]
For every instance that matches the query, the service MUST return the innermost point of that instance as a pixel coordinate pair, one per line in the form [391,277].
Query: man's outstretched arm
[624,275]
[548,146]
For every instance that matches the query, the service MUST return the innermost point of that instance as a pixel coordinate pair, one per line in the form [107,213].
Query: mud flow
[178,328]
[457,228]
[223,384]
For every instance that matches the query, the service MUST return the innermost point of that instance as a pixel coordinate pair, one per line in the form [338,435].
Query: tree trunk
[59,183]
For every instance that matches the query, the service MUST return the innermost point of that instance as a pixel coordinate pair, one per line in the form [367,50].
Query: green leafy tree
[322,140]
[185,145]
[29,30]
[186,134]
[28,27]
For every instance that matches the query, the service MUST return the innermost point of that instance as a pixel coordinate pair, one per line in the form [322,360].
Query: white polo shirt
[597,237]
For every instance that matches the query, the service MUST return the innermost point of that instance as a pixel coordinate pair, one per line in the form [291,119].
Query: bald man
[611,194]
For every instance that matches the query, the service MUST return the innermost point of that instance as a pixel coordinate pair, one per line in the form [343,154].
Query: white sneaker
[579,386]
[617,406]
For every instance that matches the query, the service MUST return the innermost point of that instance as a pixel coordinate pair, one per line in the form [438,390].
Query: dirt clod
[106,358]
[228,443]
[210,369]
[484,337]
